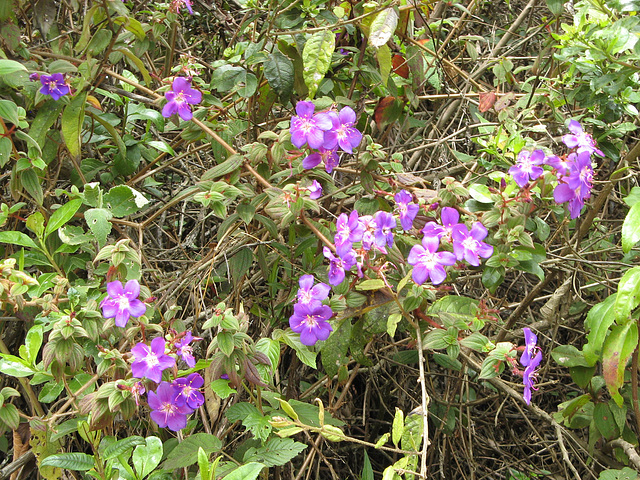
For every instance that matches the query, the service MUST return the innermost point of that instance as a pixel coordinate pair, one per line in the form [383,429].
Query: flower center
[305,296]
[311,321]
[470,243]
[168,408]
[152,360]
[123,303]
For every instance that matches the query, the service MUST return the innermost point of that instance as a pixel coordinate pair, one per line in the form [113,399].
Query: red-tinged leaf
[387,111]
[400,66]
[618,348]
[487,100]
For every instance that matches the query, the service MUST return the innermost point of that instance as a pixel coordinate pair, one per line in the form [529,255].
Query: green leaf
[147,457]
[392,323]
[316,57]
[292,339]
[118,448]
[631,228]
[46,116]
[605,423]
[98,221]
[8,67]
[384,62]
[627,297]
[203,464]
[240,264]
[569,356]
[372,284]
[250,471]
[72,120]
[598,321]
[221,388]
[161,146]
[383,27]
[278,70]
[334,349]
[277,451]
[50,392]
[229,165]
[556,6]
[17,238]
[398,427]
[618,347]
[123,200]
[367,469]
[225,342]
[9,111]
[31,183]
[14,366]
[186,452]
[69,461]
[436,339]
[476,341]
[481,193]
[62,215]
[9,416]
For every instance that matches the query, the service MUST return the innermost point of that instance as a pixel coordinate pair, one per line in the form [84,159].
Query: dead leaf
[487,99]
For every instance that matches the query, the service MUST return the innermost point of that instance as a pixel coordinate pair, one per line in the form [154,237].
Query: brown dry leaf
[21,446]
[487,99]
[408,179]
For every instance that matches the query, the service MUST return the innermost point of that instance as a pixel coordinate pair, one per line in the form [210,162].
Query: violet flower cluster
[530,359]
[429,261]
[373,233]
[574,171]
[310,317]
[324,132]
[357,236]
[172,402]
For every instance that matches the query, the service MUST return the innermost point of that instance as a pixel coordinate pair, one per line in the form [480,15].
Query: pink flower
[150,362]
[168,407]
[122,303]
[180,98]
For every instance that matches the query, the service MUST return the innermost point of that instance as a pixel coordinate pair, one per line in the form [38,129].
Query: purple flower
[369,228]
[308,127]
[562,166]
[150,362]
[54,85]
[180,98]
[385,223]
[329,157]
[185,350]
[406,208]
[469,245]
[343,133]
[168,408]
[530,341]
[428,262]
[34,77]
[315,190]
[338,266]
[310,321]
[307,293]
[527,166]
[580,139]
[177,4]
[137,390]
[350,230]
[449,218]
[530,375]
[188,390]
[577,184]
[122,303]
